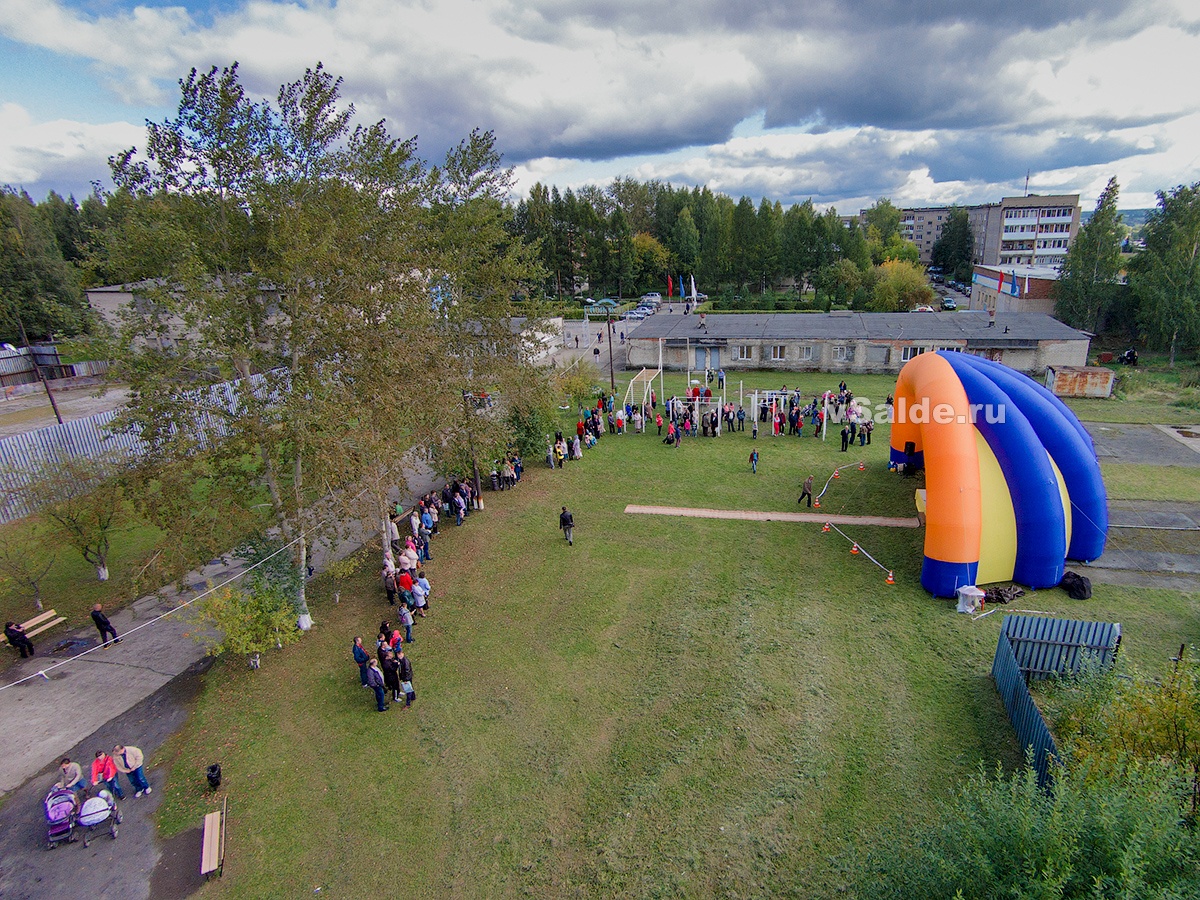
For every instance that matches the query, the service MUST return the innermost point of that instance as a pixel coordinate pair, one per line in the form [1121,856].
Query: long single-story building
[847,341]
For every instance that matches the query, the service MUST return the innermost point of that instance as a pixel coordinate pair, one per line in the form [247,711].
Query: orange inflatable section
[953,511]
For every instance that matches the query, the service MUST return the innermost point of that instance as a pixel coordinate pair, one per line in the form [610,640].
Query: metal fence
[1032,733]
[1044,647]
[24,457]
[1038,647]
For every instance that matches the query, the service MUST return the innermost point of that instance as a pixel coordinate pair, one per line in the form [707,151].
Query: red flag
[670,285]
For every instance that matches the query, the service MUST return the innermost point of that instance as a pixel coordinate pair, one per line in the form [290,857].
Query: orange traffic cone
[825,528]
[854,549]
[816,503]
[891,579]
[862,467]
[837,474]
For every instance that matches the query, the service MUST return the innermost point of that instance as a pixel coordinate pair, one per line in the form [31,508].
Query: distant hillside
[1131,217]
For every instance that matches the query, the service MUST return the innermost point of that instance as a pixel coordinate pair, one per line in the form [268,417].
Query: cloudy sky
[843,101]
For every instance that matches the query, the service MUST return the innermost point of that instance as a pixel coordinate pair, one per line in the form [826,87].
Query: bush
[1095,836]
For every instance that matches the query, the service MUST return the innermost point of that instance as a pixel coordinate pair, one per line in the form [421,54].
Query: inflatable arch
[1013,486]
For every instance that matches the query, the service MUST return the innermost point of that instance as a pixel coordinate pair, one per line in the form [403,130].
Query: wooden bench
[212,855]
[38,624]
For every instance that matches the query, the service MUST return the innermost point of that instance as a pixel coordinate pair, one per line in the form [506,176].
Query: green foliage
[529,428]
[1088,283]
[1094,836]
[954,250]
[1115,724]
[901,285]
[38,288]
[246,622]
[578,385]
[82,501]
[1166,276]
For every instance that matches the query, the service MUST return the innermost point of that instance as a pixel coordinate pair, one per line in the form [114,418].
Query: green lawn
[672,707]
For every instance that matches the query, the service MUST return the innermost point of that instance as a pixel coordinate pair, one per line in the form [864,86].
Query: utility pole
[42,378]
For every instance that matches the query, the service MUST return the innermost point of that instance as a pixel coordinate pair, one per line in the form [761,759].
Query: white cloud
[59,152]
[929,108]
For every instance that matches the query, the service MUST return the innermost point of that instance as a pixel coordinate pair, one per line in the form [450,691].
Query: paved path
[1148,445]
[754,515]
[74,700]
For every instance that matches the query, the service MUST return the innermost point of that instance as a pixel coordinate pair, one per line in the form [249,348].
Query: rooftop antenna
[1026,182]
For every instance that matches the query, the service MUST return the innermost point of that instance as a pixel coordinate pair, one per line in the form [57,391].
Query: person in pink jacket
[104,769]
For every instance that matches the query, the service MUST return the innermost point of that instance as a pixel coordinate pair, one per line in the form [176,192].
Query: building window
[806,354]
[907,353]
[741,352]
[778,352]
[843,354]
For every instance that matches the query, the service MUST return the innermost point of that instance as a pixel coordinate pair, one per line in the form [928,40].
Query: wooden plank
[210,856]
[34,622]
[46,627]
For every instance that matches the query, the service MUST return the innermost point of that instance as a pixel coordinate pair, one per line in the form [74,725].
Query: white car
[923,309]
[653,295]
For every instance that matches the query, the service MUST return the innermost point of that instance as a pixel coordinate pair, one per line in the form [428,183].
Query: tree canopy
[354,293]
[1091,272]
[1166,276]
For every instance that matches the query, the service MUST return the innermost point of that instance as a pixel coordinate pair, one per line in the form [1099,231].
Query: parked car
[702,296]
[634,315]
[648,309]
[949,304]
[923,309]
[653,295]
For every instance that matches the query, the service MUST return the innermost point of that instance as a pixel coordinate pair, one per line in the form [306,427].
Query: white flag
[693,277]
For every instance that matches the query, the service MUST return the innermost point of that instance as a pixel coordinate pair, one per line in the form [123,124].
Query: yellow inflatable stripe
[998,540]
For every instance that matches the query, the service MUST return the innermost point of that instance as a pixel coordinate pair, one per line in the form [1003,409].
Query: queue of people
[408,588]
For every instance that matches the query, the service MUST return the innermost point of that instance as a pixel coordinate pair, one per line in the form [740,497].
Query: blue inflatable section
[1069,445]
[943,579]
[1032,485]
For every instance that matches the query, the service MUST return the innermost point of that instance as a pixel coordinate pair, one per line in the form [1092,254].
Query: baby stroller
[62,809]
[96,811]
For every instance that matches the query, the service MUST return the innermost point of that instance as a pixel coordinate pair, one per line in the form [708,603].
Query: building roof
[1049,273]
[964,325]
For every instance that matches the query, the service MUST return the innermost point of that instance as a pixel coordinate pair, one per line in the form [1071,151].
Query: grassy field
[1151,394]
[1133,481]
[672,707]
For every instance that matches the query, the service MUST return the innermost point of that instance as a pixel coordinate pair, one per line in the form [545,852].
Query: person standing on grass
[406,620]
[566,522]
[658,422]
[361,658]
[17,638]
[131,761]
[391,675]
[845,437]
[375,682]
[104,626]
[807,492]
[424,584]
[406,679]
[754,462]
[104,769]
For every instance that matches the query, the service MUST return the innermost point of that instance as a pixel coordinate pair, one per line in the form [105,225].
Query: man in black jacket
[16,637]
[406,677]
[566,522]
[104,626]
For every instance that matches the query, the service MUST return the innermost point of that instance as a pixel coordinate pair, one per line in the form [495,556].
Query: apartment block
[1030,231]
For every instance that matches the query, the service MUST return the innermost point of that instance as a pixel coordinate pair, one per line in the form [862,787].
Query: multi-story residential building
[1036,231]
[1033,230]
